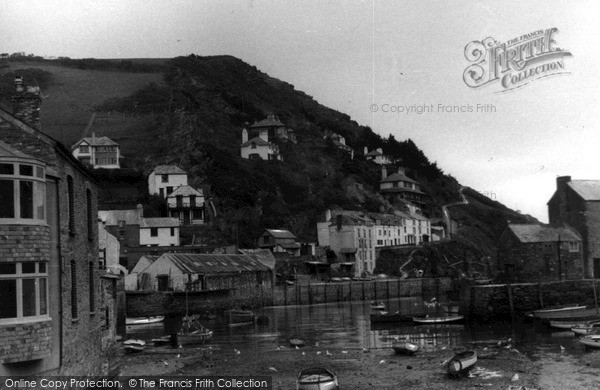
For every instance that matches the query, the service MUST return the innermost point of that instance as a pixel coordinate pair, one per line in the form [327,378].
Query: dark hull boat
[297,342]
[405,347]
[438,320]
[316,379]
[379,318]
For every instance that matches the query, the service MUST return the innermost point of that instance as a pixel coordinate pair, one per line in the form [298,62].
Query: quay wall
[171,303]
[506,302]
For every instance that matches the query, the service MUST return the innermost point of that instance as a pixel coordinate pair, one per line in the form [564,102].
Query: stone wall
[25,341]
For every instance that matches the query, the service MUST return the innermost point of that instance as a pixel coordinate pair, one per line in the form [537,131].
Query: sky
[368,59]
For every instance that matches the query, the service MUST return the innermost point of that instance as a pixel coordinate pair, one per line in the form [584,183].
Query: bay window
[22,192]
[23,291]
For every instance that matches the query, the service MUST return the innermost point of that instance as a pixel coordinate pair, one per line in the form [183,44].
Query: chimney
[327,215]
[383,172]
[140,210]
[27,103]
[339,222]
[561,189]
[366,150]
[244,135]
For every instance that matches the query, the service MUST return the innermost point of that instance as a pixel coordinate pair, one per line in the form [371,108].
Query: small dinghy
[461,363]
[316,379]
[438,320]
[590,341]
[134,345]
[405,347]
[297,342]
[587,328]
[377,305]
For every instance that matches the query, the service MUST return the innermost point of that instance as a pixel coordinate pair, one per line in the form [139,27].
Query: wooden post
[510,302]
[310,301]
[540,295]
[387,288]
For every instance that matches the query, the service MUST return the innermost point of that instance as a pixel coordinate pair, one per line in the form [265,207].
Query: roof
[280,233]
[398,177]
[374,153]
[112,217]
[214,263]
[257,140]
[185,190]
[158,222]
[529,233]
[589,190]
[265,256]
[8,151]
[96,141]
[271,120]
[289,245]
[168,170]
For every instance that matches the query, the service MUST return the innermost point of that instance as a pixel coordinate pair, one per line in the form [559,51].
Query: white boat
[377,305]
[559,312]
[405,347]
[461,363]
[134,345]
[591,340]
[438,319]
[144,320]
[587,328]
[567,324]
[316,379]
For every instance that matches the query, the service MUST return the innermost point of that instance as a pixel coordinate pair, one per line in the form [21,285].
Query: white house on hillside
[166,178]
[377,156]
[259,147]
[99,152]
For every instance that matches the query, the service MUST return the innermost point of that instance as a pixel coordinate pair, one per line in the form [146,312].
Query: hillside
[190,111]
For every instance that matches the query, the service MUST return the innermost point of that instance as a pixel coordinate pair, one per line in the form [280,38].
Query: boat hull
[195,338]
[564,312]
[438,320]
[405,347]
[590,341]
[316,379]
[296,342]
[461,363]
[389,318]
[144,321]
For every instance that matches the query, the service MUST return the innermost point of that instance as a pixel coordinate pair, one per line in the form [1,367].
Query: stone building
[577,204]
[52,309]
[529,252]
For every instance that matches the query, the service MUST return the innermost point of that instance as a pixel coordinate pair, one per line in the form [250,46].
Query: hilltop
[190,111]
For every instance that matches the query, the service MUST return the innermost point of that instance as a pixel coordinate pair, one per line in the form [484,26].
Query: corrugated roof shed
[528,233]
[589,190]
[214,263]
[265,256]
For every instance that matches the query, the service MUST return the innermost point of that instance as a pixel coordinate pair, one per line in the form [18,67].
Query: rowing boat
[405,347]
[461,363]
[438,320]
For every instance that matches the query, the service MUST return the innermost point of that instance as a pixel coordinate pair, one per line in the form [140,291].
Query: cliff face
[190,111]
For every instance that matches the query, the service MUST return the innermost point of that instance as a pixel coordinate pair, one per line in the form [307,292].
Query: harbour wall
[508,302]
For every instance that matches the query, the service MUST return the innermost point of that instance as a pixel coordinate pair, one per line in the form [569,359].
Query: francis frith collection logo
[516,62]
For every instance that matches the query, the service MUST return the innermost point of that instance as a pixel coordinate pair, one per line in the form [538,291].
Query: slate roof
[374,153]
[214,263]
[529,233]
[589,190]
[281,233]
[185,190]
[7,151]
[257,140]
[398,177]
[158,222]
[168,170]
[270,121]
[265,256]
[289,245]
[96,141]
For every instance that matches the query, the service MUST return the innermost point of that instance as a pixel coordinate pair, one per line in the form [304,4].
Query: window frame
[37,178]
[18,277]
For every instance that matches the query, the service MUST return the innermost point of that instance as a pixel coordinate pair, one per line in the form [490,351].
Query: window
[172,232]
[253,145]
[169,190]
[22,192]
[71,200]
[164,178]
[121,223]
[102,259]
[153,232]
[573,246]
[74,311]
[84,149]
[23,290]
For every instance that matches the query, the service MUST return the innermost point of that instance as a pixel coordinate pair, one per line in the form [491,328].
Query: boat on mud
[297,342]
[144,321]
[240,317]
[567,311]
[405,347]
[461,363]
[192,331]
[587,328]
[377,305]
[590,340]
[134,345]
[384,317]
[438,319]
[316,379]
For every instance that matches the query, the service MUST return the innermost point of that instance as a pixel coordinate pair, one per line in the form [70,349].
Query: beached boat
[316,379]
[143,321]
[590,340]
[587,328]
[405,347]
[134,345]
[461,363]
[297,341]
[384,317]
[567,311]
[377,305]
[438,319]
[240,317]
[192,331]
[565,324]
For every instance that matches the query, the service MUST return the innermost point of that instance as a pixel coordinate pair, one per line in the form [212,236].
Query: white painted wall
[163,238]
[173,180]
